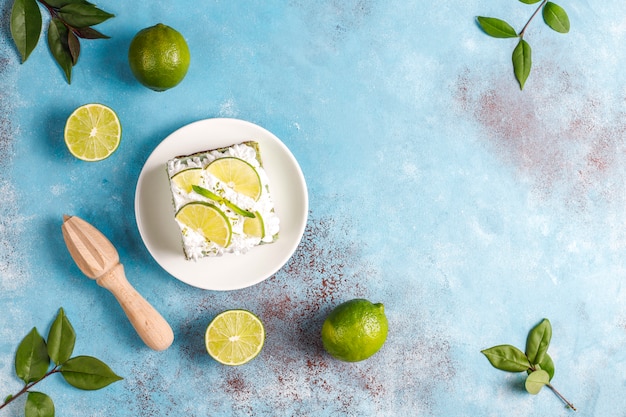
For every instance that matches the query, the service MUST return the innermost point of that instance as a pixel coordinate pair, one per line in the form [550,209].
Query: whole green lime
[355,330]
[159,57]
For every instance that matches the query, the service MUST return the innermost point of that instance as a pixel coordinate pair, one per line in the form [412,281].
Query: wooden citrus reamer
[97,258]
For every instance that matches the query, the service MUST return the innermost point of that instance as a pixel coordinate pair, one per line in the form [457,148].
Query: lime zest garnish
[211,195]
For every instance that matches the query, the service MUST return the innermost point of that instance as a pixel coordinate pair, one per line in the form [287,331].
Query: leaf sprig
[70,20]
[535,360]
[553,15]
[32,364]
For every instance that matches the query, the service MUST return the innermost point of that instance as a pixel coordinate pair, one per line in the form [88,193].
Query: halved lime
[234,337]
[254,227]
[92,132]
[187,178]
[238,175]
[208,220]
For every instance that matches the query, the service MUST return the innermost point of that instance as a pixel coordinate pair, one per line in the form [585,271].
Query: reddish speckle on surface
[235,384]
[329,268]
[561,145]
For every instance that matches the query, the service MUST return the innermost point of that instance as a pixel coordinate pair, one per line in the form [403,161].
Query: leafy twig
[69,21]
[558,394]
[553,15]
[535,360]
[27,387]
[521,33]
[32,363]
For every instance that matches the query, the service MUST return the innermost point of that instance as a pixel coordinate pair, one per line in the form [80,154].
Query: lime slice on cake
[207,220]
[238,175]
[235,337]
[254,227]
[186,179]
[92,132]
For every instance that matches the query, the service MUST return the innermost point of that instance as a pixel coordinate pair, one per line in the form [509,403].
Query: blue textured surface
[470,209]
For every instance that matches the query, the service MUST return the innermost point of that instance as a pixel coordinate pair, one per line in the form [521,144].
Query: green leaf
[536,380]
[555,17]
[538,341]
[530,1]
[88,373]
[522,62]
[61,339]
[90,33]
[58,44]
[38,404]
[25,26]
[81,15]
[8,398]
[31,358]
[74,44]
[507,358]
[497,28]
[547,365]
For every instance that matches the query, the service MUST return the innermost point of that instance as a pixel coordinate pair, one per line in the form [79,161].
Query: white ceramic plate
[154,211]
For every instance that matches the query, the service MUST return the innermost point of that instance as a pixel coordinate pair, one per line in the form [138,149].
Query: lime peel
[355,330]
[159,57]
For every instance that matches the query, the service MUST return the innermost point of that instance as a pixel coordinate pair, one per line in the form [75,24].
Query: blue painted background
[472,210]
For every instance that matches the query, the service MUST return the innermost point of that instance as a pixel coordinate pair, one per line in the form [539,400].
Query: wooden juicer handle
[97,258]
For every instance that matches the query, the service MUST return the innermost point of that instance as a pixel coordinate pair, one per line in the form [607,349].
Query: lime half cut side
[235,337]
[93,132]
[208,220]
[238,175]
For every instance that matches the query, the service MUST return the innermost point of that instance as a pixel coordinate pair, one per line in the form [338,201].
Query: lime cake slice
[222,201]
